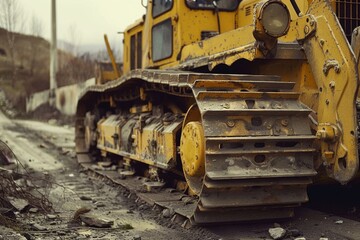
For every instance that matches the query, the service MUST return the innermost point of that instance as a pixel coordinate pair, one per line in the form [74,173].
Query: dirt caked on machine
[244,102]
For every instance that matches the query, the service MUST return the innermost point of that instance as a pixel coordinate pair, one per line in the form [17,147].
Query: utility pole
[53,55]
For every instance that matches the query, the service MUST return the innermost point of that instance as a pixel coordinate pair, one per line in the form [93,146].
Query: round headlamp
[275,18]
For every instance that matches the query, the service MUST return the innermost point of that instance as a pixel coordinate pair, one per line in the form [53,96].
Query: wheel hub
[192,149]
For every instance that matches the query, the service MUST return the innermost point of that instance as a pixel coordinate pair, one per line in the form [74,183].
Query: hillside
[32,61]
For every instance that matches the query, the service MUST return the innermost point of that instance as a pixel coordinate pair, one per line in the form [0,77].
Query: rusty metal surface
[253,136]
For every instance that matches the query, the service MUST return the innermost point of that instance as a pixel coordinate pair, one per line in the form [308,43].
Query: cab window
[162,38]
[223,5]
[161,6]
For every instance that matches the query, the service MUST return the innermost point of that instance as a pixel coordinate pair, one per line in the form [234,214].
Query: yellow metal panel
[335,71]
[226,45]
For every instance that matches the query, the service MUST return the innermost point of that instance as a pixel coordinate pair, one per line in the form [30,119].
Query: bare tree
[75,39]
[11,18]
[36,29]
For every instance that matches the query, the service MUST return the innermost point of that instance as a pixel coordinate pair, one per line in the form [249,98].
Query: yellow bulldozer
[244,102]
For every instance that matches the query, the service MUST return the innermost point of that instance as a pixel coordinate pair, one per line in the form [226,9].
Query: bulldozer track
[258,146]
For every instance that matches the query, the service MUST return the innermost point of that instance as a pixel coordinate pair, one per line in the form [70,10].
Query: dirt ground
[47,151]
[54,169]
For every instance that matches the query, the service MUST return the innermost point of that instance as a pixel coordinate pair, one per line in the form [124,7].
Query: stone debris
[33,210]
[339,222]
[300,238]
[18,203]
[277,233]
[38,227]
[94,221]
[323,238]
[51,216]
[137,237]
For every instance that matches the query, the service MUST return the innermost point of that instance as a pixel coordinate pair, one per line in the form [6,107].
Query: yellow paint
[192,149]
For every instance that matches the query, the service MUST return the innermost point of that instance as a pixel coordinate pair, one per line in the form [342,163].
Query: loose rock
[300,238]
[38,227]
[137,237]
[33,210]
[95,221]
[339,222]
[277,233]
[19,204]
[51,216]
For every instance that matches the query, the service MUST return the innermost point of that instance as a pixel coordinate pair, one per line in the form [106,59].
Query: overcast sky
[90,18]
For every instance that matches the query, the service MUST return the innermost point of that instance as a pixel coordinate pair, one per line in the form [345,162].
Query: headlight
[275,18]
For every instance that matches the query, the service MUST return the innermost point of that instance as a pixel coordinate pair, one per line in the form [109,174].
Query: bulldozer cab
[157,39]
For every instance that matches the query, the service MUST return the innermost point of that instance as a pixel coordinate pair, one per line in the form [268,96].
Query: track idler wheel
[192,150]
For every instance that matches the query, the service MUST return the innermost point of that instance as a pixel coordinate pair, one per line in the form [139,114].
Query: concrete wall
[66,97]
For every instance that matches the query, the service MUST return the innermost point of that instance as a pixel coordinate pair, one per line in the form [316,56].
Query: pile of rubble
[18,194]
